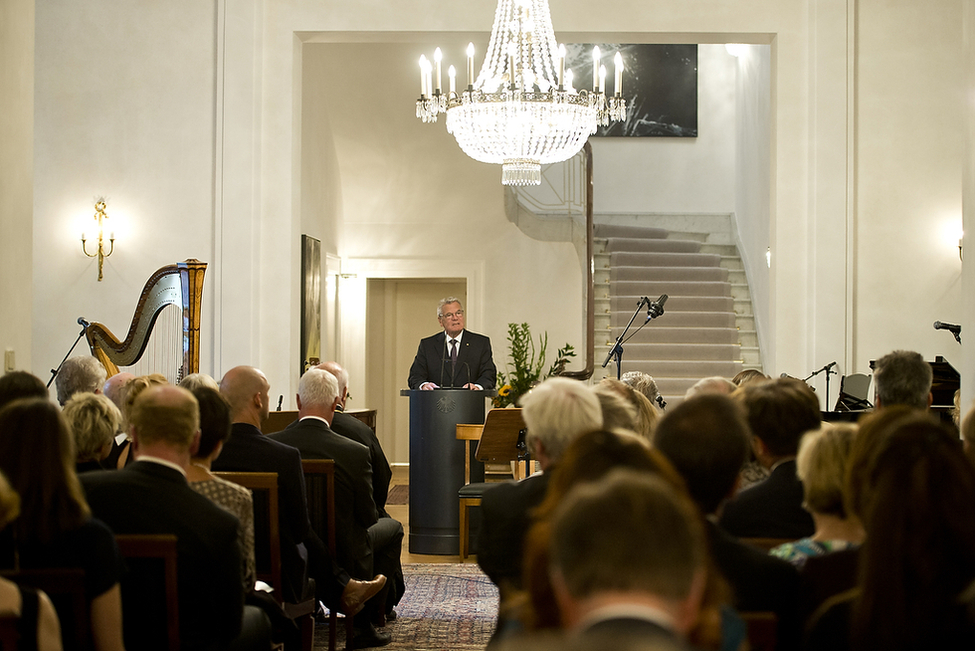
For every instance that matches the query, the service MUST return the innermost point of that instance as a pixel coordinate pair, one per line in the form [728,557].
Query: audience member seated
[822,466]
[555,412]
[38,626]
[629,562]
[968,434]
[365,544]
[916,586]
[94,421]
[55,527]
[588,459]
[20,384]
[194,381]
[152,496]
[231,497]
[248,450]
[618,411]
[352,428]
[828,575]
[707,438]
[748,376]
[902,378]
[714,384]
[114,388]
[646,415]
[779,413]
[78,375]
[646,385]
[121,455]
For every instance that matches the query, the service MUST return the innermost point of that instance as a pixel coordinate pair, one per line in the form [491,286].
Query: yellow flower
[505,391]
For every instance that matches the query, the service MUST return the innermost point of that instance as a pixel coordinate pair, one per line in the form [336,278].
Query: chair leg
[333,624]
[463,529]
[349,634]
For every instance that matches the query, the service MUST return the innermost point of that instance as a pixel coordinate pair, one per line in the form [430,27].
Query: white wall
[752,177]
[676,175]
[16,177]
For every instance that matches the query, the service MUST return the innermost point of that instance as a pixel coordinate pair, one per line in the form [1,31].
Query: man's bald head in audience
[165,414]
[247,391]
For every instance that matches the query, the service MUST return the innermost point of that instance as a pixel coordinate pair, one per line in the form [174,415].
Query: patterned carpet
[447,606]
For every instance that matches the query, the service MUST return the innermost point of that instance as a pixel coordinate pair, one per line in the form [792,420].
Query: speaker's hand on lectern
[473,387]
[428,386]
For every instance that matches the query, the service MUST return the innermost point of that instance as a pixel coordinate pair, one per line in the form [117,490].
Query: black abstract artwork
[659,85]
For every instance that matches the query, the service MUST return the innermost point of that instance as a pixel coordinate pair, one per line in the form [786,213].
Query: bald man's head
[246,389]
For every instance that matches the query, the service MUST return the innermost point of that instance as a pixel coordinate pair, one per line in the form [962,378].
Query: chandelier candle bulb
[423,76]
[602,79]
[595,69]
[470,66]
[452,76]
[437,58]
[561,67]
[618,63]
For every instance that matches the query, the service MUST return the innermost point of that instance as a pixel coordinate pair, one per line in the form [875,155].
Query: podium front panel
[437,465]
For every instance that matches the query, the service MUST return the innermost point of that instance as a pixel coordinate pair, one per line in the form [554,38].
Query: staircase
[707,327]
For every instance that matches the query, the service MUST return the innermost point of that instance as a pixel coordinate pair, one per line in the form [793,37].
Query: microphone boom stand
[54,371]
[829,371]
[616,352]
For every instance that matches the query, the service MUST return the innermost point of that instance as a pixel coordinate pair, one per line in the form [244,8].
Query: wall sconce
[100,216]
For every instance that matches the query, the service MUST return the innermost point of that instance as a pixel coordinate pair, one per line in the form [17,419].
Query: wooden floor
[401,475]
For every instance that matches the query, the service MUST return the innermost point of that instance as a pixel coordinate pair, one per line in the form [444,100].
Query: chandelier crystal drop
[521,111]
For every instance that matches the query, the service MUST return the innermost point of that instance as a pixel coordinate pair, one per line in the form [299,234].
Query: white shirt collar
[629,611]
[327,424]
[458,337]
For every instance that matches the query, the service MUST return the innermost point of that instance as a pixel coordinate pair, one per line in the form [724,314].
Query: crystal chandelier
[522,110]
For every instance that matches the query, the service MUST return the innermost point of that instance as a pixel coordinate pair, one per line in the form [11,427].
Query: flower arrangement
[525,370]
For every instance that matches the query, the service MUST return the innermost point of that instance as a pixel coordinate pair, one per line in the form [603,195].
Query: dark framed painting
[659,85]
[311,302]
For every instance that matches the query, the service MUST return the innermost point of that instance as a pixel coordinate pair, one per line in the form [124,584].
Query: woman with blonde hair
[94,421]
[821,466]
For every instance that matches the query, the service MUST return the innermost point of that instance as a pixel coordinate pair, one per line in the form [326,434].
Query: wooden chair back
[151,604]
[320,488]
[761,626]
[267,540]
[66,589]
[8,633]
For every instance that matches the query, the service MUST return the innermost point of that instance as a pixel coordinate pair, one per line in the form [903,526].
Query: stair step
[669,334]
[675,318]
[615,230]
[654,288]
[727,250]
[679,303]
[734,264]
[673,274]
[619,245]
[663,259]
[676,352]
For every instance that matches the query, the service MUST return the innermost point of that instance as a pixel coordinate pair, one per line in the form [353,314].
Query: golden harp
[180,285]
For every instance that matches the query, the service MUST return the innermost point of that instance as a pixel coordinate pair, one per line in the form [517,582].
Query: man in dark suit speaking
[455,358]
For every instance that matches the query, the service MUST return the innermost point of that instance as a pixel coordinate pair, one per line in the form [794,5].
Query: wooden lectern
[437,464]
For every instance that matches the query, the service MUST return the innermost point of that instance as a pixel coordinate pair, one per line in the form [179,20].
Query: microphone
[82,322]
[280,400]
[829,366]
[468,367]
[656,308]
[938,325]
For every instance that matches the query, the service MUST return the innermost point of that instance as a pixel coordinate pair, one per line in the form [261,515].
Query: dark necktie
[453,355]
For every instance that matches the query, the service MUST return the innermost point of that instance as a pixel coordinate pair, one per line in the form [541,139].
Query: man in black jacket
[455,358]
[706,438]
